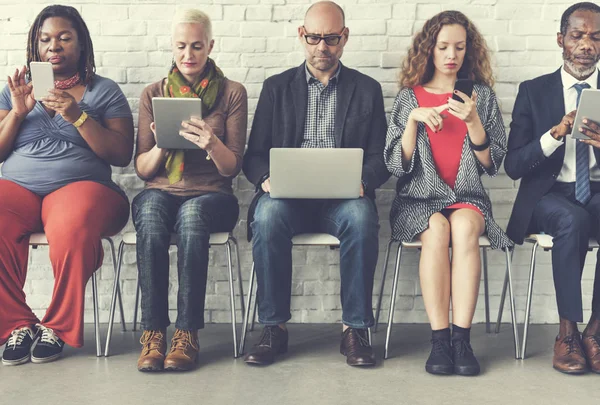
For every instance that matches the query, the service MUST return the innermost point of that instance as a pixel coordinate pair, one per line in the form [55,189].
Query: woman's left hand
[198,132]
[466,111]
[64,104]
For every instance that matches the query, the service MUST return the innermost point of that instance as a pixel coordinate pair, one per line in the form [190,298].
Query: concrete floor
[312,372]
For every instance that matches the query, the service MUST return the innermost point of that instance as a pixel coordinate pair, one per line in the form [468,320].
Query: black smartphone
[464,85]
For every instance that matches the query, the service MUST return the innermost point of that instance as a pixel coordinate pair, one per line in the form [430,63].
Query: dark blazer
[279,123]
[539,106]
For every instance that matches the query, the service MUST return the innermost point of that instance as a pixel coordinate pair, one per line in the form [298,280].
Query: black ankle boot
[440,358]
[464,359]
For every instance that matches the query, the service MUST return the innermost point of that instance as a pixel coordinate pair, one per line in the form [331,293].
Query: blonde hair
[193,16]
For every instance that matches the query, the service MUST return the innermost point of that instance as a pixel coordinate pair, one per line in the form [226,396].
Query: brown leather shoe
[273,341]
[591,347]
[356,347]
[184,350]
[568,355]
[154,348]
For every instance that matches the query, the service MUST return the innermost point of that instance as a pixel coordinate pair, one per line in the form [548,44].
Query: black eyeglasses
[330,40]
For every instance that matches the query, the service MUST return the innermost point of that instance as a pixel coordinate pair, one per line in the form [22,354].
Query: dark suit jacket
[539,106]
[279,123]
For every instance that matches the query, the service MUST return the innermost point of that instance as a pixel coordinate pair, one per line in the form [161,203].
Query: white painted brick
[119,75]
[254,13]
[145,75]
[289,13]
[103,12]
[234,13]
[226,29]
[14,42]
[283,45]
[517,12]
[532,27]
[510,43]
[373,12]
[215,12]
[14,26]
[362,59]
[367,43]
[370,27]
[126,28]
[151,12]
[243,45]
[125,59]
[3,58]
[399,27]
[392,59]
[542,43]
[404,11]
[426,11]
[259,29]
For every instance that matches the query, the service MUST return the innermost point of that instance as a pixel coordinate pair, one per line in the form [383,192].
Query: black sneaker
[18,347]
[48,348]
[440,358]
[465,362]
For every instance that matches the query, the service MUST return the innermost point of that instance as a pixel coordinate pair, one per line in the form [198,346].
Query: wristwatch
[82,118]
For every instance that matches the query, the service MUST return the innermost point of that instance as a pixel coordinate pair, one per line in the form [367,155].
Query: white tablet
[589,107]
[42,77]
[169,113]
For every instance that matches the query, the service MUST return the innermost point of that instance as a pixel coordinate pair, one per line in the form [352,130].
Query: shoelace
[573,343]
[357,337]
[267,336]
[151,340]
[183,339]
[596,341]
[440,346]
[48,336]
[462,347]
[17,336]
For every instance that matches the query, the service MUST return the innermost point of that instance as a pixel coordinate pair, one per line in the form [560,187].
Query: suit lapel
[556,98]
[345,90]
[300,98]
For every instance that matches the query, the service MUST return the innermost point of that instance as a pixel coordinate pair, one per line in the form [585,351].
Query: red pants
[74,218]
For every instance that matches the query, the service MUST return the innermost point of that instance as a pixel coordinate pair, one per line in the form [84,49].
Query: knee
[192,219]
[575,222]
[272,217]
[150,213]
[72,240]
[359,217]
[466,228]
[438,232]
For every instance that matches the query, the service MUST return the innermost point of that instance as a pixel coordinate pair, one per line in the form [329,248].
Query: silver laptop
[168,115]
[315,172]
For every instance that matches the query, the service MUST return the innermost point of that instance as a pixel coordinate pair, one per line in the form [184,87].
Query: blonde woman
[188,193]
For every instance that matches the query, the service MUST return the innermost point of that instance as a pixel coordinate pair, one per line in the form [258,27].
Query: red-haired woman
[438,148]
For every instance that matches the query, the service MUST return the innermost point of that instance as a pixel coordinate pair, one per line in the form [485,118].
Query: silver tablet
[168,115]
[315,172]
[42,77]
[589,107]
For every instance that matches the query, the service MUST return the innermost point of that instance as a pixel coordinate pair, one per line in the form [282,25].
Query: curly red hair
[418,68]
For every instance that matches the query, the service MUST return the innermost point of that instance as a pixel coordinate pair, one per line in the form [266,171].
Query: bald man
[320,104]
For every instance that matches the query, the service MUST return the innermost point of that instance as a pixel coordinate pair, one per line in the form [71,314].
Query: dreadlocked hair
[87,66]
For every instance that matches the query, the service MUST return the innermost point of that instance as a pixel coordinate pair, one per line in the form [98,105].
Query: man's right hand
[21,93]
[564,127]
[266,185]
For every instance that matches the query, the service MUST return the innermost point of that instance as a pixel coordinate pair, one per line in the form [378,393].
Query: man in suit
[559,192]
[320,104]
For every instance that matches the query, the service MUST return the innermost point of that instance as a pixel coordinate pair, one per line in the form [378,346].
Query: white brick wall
[255,39]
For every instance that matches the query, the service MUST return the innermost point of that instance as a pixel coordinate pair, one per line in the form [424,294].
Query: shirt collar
[569,81]
[309,76]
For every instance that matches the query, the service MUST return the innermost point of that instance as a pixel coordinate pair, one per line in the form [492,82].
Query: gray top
[49,152]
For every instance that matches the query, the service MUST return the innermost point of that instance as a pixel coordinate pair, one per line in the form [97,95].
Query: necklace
[68,83]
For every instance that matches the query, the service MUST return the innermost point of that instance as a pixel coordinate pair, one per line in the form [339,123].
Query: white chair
[305,239]
[484,244]
[39,239]
[216,239]
[545,242]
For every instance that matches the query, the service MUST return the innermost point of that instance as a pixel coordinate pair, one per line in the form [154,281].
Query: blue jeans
[156,214]
[354,222]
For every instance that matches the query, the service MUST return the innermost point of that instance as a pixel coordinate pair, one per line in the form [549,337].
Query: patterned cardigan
[420,190]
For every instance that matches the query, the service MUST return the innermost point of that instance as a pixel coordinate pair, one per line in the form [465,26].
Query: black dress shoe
[356,347]
[463,357]
[273,341]
[440,358]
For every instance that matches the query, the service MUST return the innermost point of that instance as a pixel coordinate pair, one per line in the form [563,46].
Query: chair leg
[96,316]
[393,301]
[254,307]
[111,317]
[114,259]
[137,302]
[381,287]
[528,304]
[247,313]
[502,299]
[239,273]
[232,301]
[513,311]
[486,291]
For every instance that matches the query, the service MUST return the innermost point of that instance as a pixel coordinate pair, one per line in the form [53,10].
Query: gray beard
[580,72]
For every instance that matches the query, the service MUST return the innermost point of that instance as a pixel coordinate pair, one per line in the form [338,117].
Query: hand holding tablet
[589,109]
[170,116]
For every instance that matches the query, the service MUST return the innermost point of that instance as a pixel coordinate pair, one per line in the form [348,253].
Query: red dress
[447,144]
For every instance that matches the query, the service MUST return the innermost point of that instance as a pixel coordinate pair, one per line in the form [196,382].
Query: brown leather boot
[591,347]
[154,347]
[568,355]
[184,350]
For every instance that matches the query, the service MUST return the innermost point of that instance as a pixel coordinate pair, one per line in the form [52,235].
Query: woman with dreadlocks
[56,178]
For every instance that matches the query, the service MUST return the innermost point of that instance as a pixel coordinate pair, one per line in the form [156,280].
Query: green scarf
[208,88]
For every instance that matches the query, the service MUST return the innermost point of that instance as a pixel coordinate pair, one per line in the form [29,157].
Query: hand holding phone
[20,93]
[465,86]
[42,77]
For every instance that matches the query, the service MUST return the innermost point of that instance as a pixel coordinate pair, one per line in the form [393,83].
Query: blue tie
[582,157]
